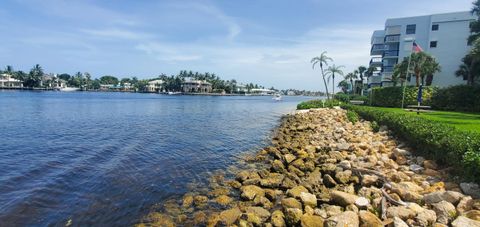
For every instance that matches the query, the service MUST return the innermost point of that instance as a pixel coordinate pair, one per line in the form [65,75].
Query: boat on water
[277,97]
[69,89]
[174,93]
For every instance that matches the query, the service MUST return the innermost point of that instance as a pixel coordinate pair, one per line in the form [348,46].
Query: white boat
[69,89]
[277,97]
[174,93]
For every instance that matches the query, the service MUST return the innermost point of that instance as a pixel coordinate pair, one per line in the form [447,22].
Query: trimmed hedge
[457,98]
[392,96]
[432,139]
[347,97]
[318,103]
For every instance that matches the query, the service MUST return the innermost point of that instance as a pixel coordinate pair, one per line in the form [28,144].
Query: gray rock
[416,168]
[426,218]
[308,199]
[342,198]
[445,212]
[329,181]
[471,189]
[449,196]
[397,222]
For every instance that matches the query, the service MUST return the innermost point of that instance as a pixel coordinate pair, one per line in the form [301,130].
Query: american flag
[416,48]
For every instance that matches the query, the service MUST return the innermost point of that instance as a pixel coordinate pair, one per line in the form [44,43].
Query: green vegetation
[318,103]
[457,98]
[392,96]
[322,60]
[352,116]
[331,74]
[432,137]
[461,121]
[422,64]
[347,98]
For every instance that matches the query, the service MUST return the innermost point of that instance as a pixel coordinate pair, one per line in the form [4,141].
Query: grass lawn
[462,121]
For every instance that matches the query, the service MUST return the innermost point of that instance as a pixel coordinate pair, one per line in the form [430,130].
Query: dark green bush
[375,126]
[435,140]
[457,98]
[392,96]
[352,116]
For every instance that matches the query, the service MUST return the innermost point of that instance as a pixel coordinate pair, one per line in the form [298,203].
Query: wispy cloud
[116,33]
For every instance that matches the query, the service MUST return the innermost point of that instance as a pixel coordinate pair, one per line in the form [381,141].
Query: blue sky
[269,42]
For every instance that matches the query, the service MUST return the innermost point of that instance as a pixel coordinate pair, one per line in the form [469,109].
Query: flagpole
[408,72]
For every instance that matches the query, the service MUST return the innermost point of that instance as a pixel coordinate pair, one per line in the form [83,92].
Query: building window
[411,29]
[433,44]
[434,27]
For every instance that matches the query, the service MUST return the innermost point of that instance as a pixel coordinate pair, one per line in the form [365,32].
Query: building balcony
[387,69]
[393,30]
[392,38]
[377,49]
[376,62]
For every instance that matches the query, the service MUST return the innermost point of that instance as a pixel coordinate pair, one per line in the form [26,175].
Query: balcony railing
[392,39]
[376,61]
[387,69]
[391,53]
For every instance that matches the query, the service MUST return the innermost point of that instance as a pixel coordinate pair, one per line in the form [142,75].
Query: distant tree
[331,71]
[475,25]
[88,80]
[108,80]
[322,61]
[64,76]
[351,77]
[344,84]
[34,77]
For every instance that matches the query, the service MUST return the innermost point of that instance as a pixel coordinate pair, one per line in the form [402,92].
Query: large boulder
[293,216]
[260,212]
[296,191]
[401,212]
[426,217]
[278,218]
[291,203]
[471,189]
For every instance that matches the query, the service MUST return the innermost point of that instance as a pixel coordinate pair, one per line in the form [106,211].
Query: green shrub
[346,98]
[318,103]
[457,98]
[392,96]
[375,126]
[352,116]
[432,139]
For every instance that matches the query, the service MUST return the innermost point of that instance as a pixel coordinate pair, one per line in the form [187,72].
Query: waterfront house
[196,86]
[444,36]
[241,88]
[154,86]
[262,91]
[7,81]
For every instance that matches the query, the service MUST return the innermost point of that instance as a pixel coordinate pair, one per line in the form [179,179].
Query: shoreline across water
[323,170]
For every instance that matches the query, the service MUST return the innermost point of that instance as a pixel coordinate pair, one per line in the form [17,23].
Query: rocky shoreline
[322,170]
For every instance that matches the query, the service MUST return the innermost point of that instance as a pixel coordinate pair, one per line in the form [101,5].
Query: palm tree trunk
[417,78]
[325,82]
[333,85]
[351,82]
[361,86]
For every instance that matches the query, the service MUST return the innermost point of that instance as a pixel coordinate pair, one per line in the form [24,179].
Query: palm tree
[400,72]
[9,70]
[361,72]
[343,85]
[423,64]
[351,77]
[331,71]
[322,60]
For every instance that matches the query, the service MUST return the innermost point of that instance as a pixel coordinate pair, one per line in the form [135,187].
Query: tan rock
[430,164]
[345,219]
[228,217]
[187,201]
[159,219]
[260,212]
[250,191]
[426,217]
[200,200]
[462,221]
[342,198]
[308,199]
[368,219]
[311,221]
[278,218]
[473,214]
[296,191]
[401,212]
[465,204]
[369,180]
[432,173]
[291,203]
[293,216]
[199,218]
[223,200]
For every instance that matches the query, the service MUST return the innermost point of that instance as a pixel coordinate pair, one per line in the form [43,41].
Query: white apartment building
[444,36]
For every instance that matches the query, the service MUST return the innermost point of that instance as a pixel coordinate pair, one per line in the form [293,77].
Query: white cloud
[115,33]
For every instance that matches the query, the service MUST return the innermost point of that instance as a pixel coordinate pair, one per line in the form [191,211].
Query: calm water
[105,158]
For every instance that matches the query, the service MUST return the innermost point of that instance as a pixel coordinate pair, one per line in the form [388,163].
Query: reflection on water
[107,158]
